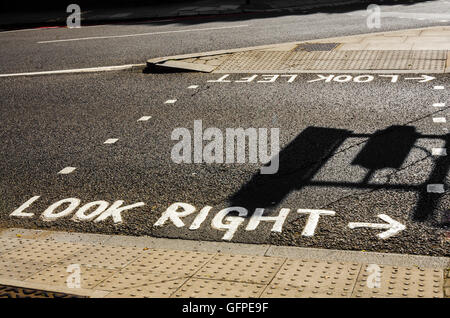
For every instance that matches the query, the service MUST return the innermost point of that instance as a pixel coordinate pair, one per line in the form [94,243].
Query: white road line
[76,70]
[144,118]
[193,86]
[439,152]
[111,140]
[439,120]
[170,101]
[438,87]
[67,170]
[143,34]
[435,188]
[439,104]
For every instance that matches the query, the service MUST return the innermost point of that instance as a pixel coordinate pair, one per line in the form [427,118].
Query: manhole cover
[310,47]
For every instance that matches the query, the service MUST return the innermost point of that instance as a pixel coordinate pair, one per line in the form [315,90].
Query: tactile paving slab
[19,269]
[206,288]
[57,275]
[159,290]
[312,278]
[241,268]
[107,257]
[291,61]
[125,279]
[43,251]
[169,262]
[8,244]
[410,282]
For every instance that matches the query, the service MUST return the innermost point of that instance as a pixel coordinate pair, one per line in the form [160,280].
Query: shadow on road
[301,159]
[103,12]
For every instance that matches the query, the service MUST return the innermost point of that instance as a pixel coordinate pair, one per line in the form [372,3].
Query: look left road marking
[67,170]
[439,119]
[439,152]
[435,188]
[144,34]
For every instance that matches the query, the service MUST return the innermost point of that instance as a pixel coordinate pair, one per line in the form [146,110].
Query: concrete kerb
[235,248]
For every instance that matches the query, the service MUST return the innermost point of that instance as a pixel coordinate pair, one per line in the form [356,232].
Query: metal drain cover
[19,292]
[310,47]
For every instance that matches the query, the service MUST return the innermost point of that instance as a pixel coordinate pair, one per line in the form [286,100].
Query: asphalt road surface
[105,45]
[359,148]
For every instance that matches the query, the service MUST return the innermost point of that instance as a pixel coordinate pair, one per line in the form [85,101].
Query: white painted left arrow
[424,78]
[393,227]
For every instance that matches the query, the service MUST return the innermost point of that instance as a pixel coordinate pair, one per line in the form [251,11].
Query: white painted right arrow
[393,227]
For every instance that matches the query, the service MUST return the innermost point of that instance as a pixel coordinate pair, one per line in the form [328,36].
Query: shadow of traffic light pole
[303,157]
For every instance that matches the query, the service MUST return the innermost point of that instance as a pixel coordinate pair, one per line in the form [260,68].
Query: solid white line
[76,70]
[143,34]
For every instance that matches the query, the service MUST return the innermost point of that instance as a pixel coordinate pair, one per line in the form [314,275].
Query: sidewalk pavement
[405,51]
[124,266]
[108,14]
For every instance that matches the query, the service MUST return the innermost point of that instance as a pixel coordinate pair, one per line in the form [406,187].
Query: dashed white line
[144,118]
[439,120]
[435,188]
[439,104]
[67,170]
[111,141]
[143,34]
[193,87]
[439,151]
[438,87]
[170,101]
